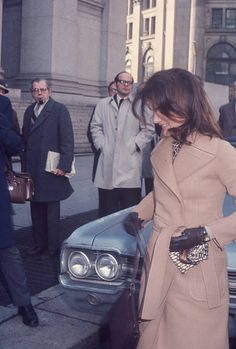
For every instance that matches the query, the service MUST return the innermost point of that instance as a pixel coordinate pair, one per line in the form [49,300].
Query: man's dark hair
[109,86]
[38,80]
[121,72]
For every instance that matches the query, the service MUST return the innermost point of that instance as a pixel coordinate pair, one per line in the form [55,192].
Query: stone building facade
[78,45]
[198,35]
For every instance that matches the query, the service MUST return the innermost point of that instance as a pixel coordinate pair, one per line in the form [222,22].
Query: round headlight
[79,264]
[106,266]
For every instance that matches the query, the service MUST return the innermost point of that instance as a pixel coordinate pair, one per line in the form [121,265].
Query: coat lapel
[27,125]
[189,160]
[42,116]
[161,159]
[193,157]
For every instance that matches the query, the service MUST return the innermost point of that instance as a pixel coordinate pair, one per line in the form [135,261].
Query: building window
[147,4]
[230,18]
[217,18]
[233,69]
[130,31]
[148,64]
[221,64]
[221,68]
[131,7]
[153,25]
[128,66]
[146,26]
[149,27]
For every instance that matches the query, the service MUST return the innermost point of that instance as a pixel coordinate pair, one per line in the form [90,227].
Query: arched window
[128,65]
[148,64]
[221,64]
[128,62]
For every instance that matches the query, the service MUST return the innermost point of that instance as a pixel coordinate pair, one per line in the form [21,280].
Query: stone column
[192,39]
[136,49]
[196,34]
[113,37]
[36,41]
[49,46]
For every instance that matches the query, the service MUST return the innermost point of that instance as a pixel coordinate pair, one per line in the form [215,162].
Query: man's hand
[132,223]
[189,238]
[59,172]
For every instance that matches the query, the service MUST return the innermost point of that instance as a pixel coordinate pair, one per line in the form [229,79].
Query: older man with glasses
[120,137]
[47,128]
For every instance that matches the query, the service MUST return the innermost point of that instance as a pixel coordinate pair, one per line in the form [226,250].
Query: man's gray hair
[38,80]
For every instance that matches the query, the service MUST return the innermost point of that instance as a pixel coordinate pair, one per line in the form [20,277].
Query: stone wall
[80,115]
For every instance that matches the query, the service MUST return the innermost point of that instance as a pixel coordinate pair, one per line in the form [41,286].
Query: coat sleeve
[224,229]
[147,131]
[145,208]
[6,109]
[66,140]
[9,139]
[96,127]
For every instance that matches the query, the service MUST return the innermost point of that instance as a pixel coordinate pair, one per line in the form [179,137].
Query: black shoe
[29,316]
[34,251]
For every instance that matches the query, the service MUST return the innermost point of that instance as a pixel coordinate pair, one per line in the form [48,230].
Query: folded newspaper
[52,162]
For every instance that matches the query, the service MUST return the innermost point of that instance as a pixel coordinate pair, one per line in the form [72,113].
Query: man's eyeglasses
[37,90]
[125,82]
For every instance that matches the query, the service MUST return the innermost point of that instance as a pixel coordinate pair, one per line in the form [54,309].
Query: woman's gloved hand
[189,238]
[132,223]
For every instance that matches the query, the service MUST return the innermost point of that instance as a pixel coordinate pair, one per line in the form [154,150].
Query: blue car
[97,261]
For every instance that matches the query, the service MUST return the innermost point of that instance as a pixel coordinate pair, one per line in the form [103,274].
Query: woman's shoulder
[208,144]
[218,146]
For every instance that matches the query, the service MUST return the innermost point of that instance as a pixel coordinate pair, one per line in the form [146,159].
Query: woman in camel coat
[185,308]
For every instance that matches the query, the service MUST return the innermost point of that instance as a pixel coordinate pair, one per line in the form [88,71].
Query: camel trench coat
[188,310]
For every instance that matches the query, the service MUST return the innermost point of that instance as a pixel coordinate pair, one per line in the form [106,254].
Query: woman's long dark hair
[178,92]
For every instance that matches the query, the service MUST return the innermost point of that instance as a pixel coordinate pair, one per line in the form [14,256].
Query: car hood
[106,233]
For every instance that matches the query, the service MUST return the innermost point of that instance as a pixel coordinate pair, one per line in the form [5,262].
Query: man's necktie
[36,110]
[121,100]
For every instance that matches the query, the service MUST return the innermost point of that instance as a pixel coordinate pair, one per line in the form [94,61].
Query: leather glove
[189,238]
[132,223]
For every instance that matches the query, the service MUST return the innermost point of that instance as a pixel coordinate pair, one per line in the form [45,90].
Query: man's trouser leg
[13,270]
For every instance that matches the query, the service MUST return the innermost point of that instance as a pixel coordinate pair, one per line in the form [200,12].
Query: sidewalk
[84,198]
[60,326]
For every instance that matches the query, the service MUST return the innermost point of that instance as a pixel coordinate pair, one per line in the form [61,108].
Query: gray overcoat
[116,132]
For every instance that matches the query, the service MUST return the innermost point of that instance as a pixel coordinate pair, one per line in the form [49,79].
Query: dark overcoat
[11,143]
[227,120]
[52,131]
[6,108]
